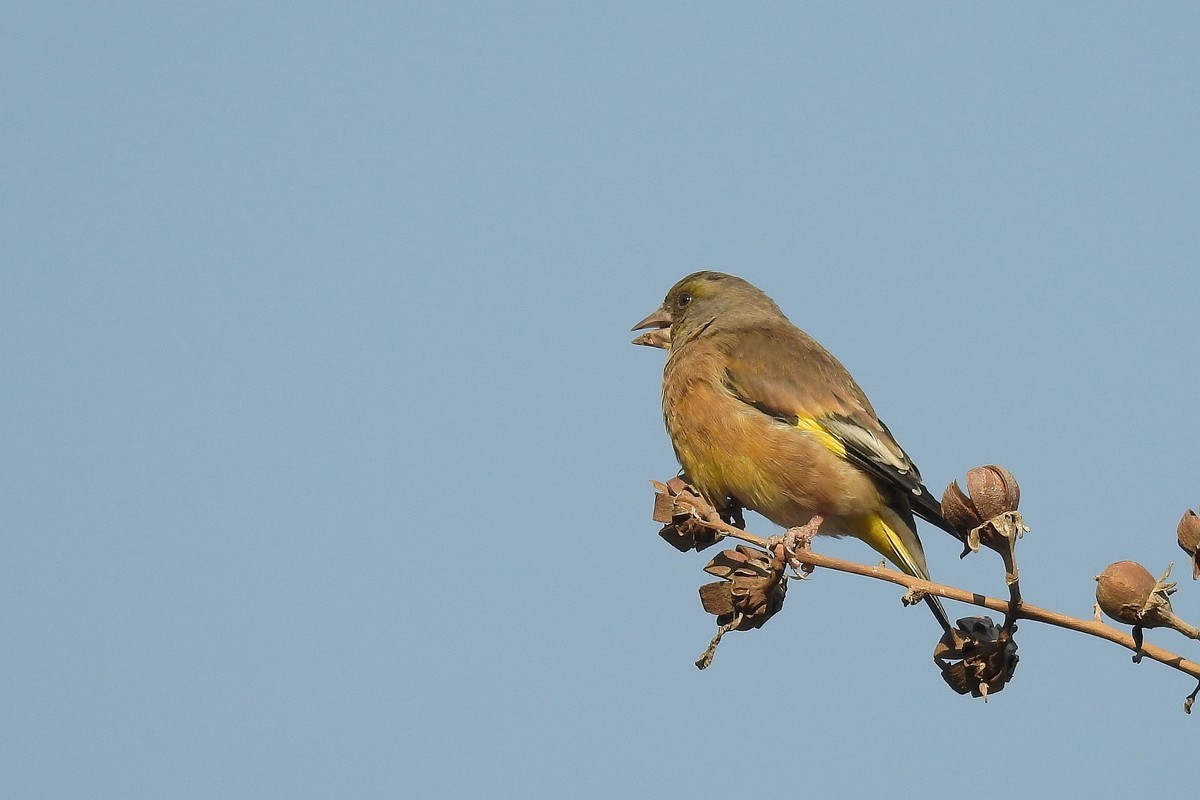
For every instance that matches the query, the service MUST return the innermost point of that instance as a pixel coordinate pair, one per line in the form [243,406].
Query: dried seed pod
[676,503]
[751,593]
[958,509]
[664,507]
[977,657]
[756,587]
[988,515]
[1189,539]
[1127,592]
[991,492]
[688,533]
[717,598]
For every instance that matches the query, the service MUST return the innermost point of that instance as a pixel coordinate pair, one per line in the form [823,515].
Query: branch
[758,582]
[805,557]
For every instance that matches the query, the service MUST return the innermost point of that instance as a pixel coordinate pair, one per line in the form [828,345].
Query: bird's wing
[810,389]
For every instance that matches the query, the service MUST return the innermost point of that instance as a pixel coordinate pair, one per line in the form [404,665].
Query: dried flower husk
[958,510]
[992,493]
[689,533]
[717,598]
[976,657]
[675,504]
[756,585]
[1128,593]
[993,490]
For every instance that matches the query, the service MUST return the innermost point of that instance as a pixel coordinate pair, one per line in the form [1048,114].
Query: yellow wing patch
[813,426]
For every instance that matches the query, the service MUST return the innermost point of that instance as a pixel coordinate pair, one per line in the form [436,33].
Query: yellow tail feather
[899,543]
[887,540]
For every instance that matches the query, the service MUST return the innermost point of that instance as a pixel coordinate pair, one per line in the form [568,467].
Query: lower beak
[659,337]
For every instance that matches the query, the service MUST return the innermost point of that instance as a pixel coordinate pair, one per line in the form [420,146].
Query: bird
[761,416]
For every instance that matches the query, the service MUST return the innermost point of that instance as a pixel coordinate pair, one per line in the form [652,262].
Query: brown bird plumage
[762,416]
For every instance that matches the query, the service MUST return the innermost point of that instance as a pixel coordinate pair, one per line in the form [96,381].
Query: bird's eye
[683,300]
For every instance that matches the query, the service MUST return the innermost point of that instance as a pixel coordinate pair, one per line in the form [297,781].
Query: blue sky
[327,456]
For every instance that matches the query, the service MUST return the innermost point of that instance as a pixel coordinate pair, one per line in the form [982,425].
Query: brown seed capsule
[977,657]
[756,586]
[1126,591]
[675,503]
[1189,539]
[958,509]
[717,598]
[993,491]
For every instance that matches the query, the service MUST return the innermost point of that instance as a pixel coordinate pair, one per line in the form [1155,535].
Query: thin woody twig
[805,557]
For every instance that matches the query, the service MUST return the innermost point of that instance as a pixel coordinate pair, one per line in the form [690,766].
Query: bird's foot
[801,538]
[794,540]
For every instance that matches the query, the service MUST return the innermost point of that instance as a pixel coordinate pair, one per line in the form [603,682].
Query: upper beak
[660,336]
[661,318]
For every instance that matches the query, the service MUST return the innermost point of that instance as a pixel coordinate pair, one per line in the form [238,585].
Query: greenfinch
[761,416]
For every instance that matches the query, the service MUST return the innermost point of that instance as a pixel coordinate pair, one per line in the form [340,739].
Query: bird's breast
[731,450]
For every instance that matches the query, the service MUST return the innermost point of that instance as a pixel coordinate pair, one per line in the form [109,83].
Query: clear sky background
[326,455]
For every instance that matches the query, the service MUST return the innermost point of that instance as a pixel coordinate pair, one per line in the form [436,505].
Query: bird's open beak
[660,334]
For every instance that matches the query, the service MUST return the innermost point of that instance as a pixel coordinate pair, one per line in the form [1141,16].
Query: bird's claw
[797,539]
[793,541]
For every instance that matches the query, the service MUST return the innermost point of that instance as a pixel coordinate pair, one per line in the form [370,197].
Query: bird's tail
[889,534]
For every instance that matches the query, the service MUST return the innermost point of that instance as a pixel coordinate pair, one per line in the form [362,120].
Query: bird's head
[700,301]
